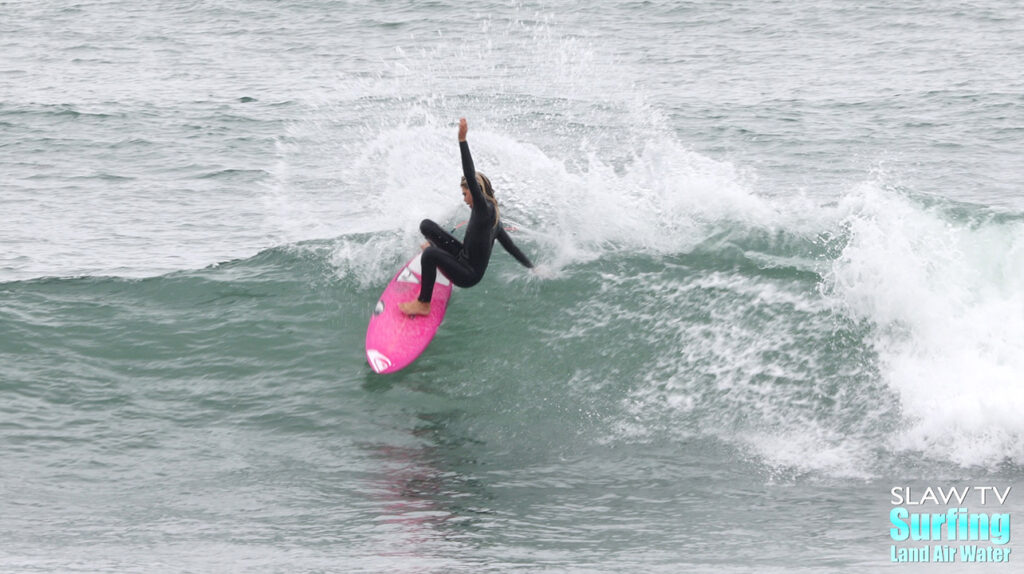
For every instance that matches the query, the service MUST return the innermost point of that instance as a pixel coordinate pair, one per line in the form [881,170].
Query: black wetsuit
[465,262]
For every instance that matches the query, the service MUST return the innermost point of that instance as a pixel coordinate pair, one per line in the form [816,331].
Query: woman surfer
[463,262]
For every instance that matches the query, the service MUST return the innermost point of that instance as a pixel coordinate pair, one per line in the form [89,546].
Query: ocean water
[780,256]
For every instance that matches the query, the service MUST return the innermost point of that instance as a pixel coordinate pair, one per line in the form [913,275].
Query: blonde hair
[485,185]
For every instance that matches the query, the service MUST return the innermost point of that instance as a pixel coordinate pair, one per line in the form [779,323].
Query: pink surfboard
[394,339]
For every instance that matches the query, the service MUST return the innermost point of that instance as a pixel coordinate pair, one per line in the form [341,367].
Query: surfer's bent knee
[426,225]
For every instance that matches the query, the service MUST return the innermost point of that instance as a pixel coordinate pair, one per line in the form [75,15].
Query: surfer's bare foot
[414,307]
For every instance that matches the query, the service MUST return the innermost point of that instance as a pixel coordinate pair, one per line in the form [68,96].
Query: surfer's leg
[438,237]
[456,270]
[433,258]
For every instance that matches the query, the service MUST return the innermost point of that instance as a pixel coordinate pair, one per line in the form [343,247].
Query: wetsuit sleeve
[514,251]
[480,204]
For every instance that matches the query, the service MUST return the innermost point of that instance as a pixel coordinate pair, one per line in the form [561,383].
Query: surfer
[463,262]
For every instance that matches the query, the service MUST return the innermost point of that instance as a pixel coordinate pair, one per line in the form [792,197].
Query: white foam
[661,200]
[947,301]
[742,376]
[812,448]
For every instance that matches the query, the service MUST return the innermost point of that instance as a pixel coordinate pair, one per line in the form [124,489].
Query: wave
[847,354]
[672,301]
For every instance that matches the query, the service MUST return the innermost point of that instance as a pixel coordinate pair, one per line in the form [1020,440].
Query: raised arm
[469,171]
[512,249]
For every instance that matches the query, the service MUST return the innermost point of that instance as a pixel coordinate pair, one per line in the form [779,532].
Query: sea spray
[945,300]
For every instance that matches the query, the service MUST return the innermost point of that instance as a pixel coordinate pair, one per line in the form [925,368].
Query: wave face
[874,328]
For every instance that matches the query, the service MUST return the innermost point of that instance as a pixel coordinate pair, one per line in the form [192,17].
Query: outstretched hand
[463,128]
